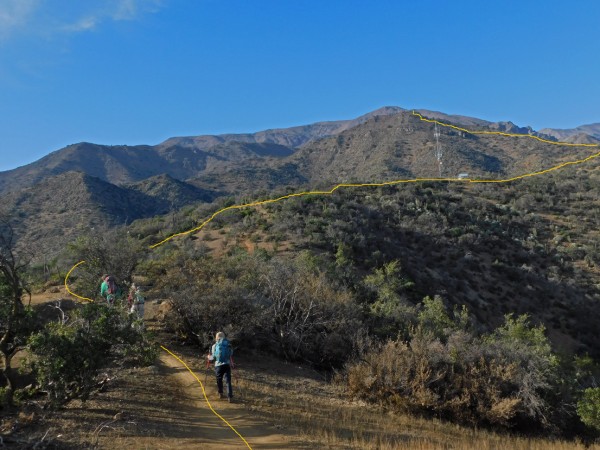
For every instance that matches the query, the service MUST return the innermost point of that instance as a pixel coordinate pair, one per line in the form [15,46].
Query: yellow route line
[205,396]
[168,351]
[67,285]
[347,185]
[385,183]
[500,133]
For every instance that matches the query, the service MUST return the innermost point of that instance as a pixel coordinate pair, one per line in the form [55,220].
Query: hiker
[221,354]
[137,301]
[108,289]
[130,295]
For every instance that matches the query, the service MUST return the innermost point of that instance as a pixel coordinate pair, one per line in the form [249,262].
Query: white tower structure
[439,153]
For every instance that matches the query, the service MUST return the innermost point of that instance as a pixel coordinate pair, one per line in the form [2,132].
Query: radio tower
[439,153]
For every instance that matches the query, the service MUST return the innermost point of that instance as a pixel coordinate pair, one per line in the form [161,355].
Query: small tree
[588,408]
[528,349]
[391,310]
[434,318]
[111,253]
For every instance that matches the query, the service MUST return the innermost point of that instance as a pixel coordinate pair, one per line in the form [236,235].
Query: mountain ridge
[192,157]
[592,130]
[143,181]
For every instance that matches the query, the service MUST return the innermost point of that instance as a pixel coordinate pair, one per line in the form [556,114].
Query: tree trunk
[8,375]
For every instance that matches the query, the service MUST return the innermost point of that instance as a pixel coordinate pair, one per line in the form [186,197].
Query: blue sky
[140,71]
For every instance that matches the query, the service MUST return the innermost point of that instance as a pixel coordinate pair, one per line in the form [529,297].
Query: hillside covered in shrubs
[473,303]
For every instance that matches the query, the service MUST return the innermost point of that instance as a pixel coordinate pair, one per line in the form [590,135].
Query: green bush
[588,407]
[67,356]
[112,253]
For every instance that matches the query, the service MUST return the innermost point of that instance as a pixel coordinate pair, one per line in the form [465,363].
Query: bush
[391,312]
[588,407]
[307,318]
[111,253]
[287,307]
[427,376]
[66,356]
[500,379]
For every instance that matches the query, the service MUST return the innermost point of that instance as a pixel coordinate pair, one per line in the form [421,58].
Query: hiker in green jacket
[108,289]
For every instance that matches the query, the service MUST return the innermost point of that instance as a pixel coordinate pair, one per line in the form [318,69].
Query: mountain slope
[402,146]
[123,164]
[171,193]
[50,203]
[52,213]
[182,158]
[592,129]
[292,137]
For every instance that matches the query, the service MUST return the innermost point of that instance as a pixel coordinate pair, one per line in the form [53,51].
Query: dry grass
[317,411]
[296,400]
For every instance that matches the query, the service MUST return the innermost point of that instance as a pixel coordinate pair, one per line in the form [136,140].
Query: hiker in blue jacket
[221,354]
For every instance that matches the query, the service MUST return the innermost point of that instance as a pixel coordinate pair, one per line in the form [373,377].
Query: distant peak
[384,110]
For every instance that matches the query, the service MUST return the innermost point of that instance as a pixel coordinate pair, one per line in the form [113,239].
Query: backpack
[138,298]
[223,351]
[112,286]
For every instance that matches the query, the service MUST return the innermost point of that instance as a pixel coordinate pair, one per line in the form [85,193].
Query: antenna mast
[439,153]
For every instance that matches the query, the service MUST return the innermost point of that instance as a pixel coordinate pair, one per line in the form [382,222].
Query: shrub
[588,407]
[16,320]
[66,356]
[306,316]
[391,311]
[111,253]
[288,307]
[443,368]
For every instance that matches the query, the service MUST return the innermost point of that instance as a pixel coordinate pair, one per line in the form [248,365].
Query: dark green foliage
[474,246]
[16,320]
[391,311]
[588,407]
[66,356]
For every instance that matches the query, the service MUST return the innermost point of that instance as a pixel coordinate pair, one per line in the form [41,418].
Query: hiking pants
[138,308]
[224,370]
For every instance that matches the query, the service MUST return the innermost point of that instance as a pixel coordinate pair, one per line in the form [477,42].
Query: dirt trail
[184,420]
[208,430]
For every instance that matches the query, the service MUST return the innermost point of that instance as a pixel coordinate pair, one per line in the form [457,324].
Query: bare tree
[13,314]
[113,253]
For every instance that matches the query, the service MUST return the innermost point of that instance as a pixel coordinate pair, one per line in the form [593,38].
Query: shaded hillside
[123,164]
[116,164]
[253,177]
[54,212]
[171,193]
